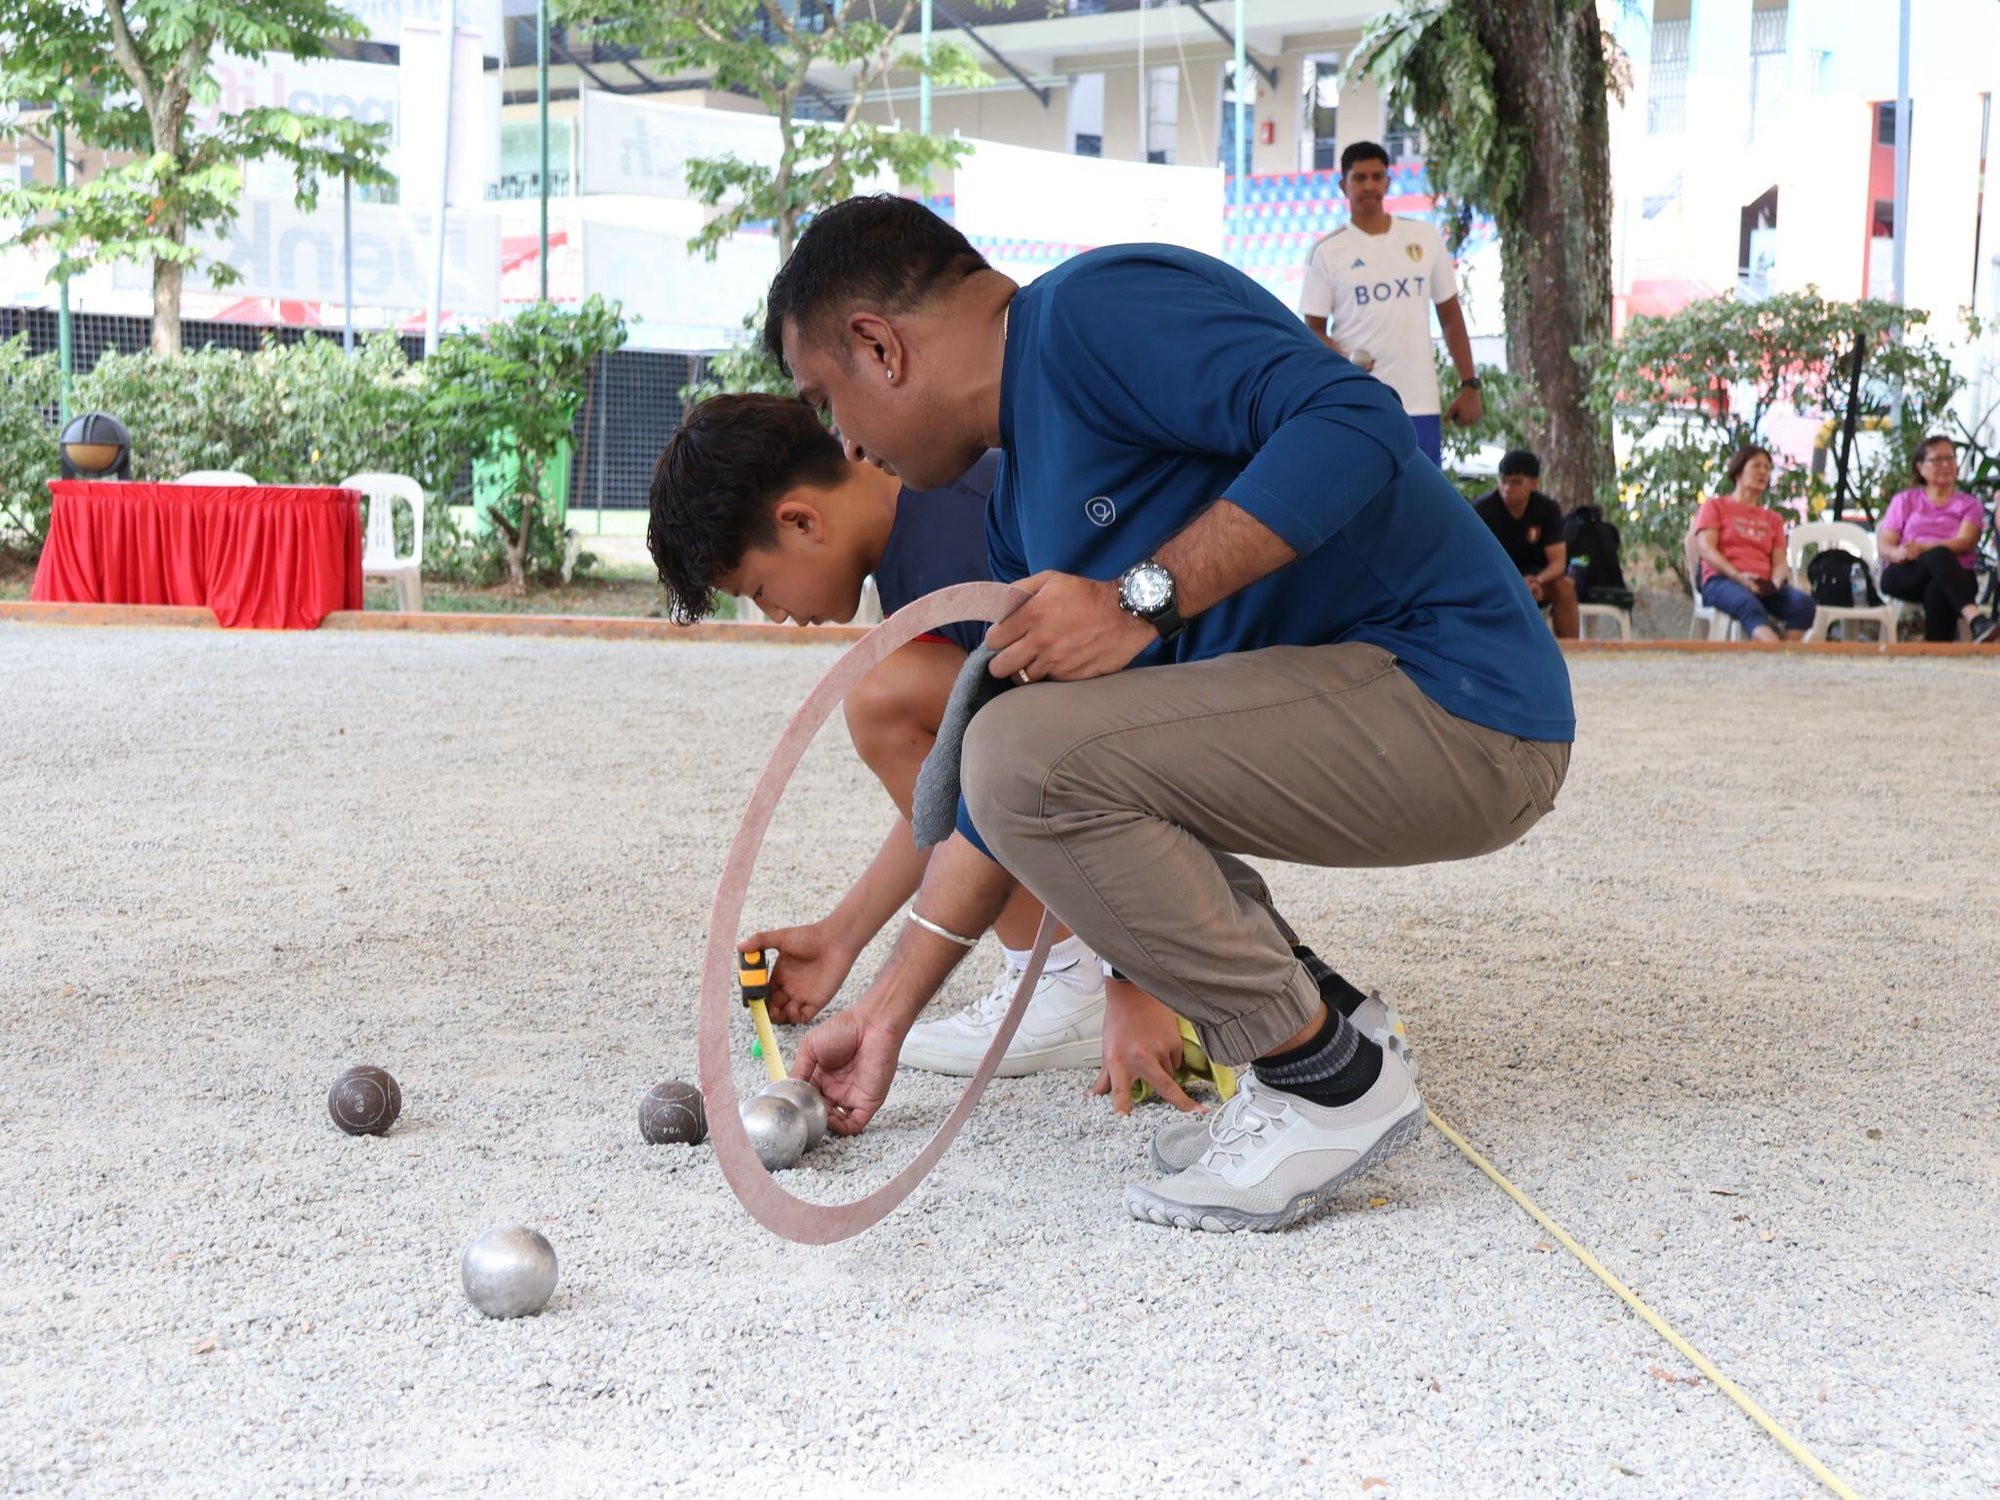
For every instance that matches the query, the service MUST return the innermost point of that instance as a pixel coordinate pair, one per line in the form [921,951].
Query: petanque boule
[777,1130]
[509,1271]
[672,1114]
[809,1102]
[364,1100]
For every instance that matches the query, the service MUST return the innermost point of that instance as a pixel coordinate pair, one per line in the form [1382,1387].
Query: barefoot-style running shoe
[1178,1144]
[1273,1157]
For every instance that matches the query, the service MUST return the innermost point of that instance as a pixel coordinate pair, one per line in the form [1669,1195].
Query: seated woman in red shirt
[1742,550]
[1927,538]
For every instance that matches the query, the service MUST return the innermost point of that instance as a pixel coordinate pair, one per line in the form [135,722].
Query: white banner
[1017,193]
[684,302]
[280,252]
[475,118]
[633,146]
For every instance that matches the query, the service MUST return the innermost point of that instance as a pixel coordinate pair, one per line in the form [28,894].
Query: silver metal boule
[509,1271]
[777,1130]
[809,1101]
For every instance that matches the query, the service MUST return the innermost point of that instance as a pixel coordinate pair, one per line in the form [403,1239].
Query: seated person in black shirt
[1529,526]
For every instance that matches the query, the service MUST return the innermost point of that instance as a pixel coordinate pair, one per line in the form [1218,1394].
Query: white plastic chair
[229,478]
[1823,536]
[379,558]
[1622,618]
[1720,627]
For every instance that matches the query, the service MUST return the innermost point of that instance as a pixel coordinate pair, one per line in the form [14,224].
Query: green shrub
[27,444]
[1688,389]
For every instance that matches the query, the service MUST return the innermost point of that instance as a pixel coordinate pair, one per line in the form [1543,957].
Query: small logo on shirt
[1359,264]
[1534,533]
[1415,252]
[1100,510]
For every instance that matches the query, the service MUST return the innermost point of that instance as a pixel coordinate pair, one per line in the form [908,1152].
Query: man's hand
[809,971]
[1763,588]
[1534,583]
[851,1059]
[1071,629]
[1467,407]
[1142,1040]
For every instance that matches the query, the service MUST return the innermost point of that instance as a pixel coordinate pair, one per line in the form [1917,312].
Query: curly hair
[718,482]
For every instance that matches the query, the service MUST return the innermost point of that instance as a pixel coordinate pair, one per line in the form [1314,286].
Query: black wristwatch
[1469,385]
[1146,589]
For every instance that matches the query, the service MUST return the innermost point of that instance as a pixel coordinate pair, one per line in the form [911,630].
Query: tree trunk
[1550,83]
[167,306]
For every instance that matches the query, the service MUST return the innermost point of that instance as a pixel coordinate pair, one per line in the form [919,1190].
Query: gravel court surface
[1727,1014]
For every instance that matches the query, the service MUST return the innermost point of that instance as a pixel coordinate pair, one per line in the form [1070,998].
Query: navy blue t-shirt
[1143,382]
[939,539]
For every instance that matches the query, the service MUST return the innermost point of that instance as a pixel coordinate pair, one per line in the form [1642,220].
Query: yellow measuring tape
[1630,1298]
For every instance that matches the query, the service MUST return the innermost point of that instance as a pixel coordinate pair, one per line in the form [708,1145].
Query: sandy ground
[1728,1015]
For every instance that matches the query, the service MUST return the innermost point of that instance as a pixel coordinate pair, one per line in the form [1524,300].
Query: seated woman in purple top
[1926,540]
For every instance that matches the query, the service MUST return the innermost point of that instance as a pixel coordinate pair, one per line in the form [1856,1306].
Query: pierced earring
[891,374]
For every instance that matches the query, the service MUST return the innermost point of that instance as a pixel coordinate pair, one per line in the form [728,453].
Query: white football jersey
[1376,292]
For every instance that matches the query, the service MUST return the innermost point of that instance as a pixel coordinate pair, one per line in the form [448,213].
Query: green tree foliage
[1512,98]
[1687,390]
[27,442]
[123,76]
[512,389]
[766,48]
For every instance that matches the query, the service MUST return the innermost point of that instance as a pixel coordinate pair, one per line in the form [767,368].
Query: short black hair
[1362,151]
[1520,461]
[883,250]
[717,483]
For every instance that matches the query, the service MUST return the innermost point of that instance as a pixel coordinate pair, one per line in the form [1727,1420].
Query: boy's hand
[809,971]
[1142,1040]
[851,1059]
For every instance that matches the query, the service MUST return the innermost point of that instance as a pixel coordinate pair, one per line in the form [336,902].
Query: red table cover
[268,557]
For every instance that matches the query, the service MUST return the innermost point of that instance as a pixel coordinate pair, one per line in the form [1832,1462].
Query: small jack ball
[364,1101]
[672,1114]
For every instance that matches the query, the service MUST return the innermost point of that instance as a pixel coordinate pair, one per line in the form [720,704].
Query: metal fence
[634,402]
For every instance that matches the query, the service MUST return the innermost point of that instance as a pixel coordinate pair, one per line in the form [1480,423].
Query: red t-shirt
[1746,536]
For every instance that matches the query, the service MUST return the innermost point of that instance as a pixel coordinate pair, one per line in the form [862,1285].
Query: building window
[1225,135]
[1319,109]
[1086,114]
[1757,246]
[521,160]
[1768,73]
[1885,122]
[1402,140]
[1163,115]
[1666,94]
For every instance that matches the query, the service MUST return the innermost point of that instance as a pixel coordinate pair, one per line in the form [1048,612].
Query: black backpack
[1593,558]
[1831,577]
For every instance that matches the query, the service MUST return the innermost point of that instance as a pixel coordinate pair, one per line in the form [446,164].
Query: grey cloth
[934,803]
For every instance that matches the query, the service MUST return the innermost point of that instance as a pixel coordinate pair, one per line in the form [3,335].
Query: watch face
[1148,588]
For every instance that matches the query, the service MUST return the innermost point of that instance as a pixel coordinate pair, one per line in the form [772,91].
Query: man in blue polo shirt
[1332,662]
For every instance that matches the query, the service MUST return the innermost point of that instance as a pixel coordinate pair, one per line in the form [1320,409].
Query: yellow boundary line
[1658,1324]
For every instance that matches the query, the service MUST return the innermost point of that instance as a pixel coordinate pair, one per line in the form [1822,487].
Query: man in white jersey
[1369,289]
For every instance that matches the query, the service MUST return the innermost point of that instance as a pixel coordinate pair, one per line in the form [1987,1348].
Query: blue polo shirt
[1143,382]
[938,539]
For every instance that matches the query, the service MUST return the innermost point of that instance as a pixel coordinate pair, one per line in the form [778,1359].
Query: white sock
[1066,954]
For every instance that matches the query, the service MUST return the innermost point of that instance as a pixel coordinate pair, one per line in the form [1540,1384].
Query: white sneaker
[1179,1143]
[1274,1158]
[1062,1028]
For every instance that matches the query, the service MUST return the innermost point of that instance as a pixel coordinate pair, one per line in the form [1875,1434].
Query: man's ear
[877,346]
